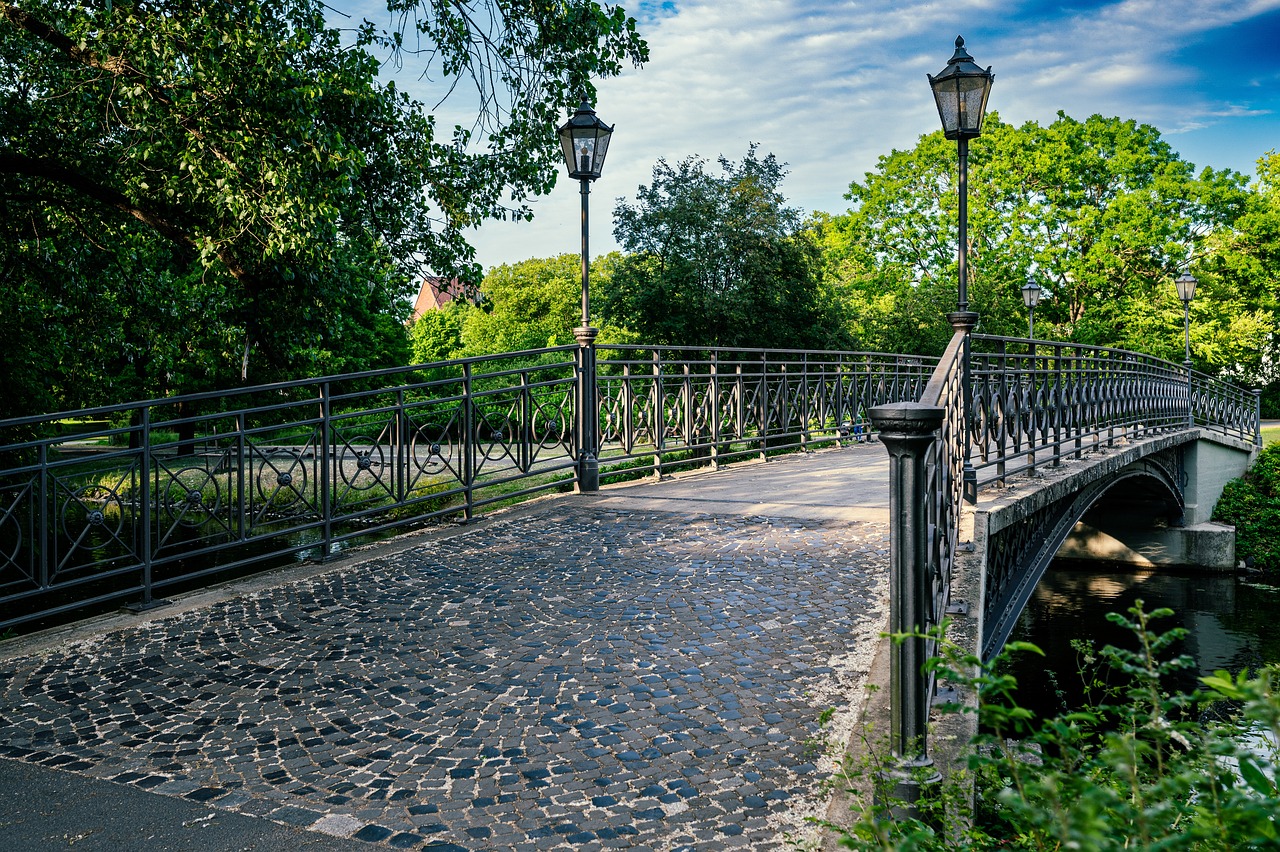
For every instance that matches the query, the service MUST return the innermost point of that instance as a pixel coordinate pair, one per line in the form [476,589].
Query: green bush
[1142,769]
[1252,505]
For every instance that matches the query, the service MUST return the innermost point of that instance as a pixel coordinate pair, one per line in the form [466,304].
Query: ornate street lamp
[585,141]
[1031,298]
[1186,285]
[961,91]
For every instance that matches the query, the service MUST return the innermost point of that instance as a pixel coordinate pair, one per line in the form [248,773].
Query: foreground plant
[1143,769]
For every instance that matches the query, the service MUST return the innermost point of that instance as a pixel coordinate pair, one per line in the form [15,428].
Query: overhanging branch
[35,167]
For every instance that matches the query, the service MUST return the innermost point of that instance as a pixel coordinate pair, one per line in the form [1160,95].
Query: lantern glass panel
[1186,284]
[1031,294]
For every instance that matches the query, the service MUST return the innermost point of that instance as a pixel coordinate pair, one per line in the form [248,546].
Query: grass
[1270,435]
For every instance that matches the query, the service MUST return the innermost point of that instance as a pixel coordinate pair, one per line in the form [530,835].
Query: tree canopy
[198,193]
[1102,213]
[527,305]
[717,259]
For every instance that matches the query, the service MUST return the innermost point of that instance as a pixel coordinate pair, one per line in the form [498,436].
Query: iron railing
[944,468]
[1038,402]
[662,406]
[1026,403]
[165,493]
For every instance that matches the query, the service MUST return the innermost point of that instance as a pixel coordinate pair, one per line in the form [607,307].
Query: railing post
[806,412]
[626,398]
[468,444]
[965,320]
[686,405]
[525,452]
[401,443]
[326,470]
[762,406]
[713,394]
[1257,417]
[1059,406]
[908,431]
[42,512]
[1191,406]
[739,405]
[1032,420]
[588,410]
[1002,388]
[144,499]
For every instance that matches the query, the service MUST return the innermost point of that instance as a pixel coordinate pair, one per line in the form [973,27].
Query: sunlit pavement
[642,669]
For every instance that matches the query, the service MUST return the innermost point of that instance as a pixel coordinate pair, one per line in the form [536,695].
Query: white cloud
[829,87]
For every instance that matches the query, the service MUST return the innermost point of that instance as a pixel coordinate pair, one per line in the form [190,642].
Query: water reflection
[1233,624]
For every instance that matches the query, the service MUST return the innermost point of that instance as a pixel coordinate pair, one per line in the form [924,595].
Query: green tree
[1102,213]
[535,303]
[717,260]
[1241,277]
[437,334]
[249,150]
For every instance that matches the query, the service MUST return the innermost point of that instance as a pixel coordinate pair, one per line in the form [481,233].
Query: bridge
[996,452]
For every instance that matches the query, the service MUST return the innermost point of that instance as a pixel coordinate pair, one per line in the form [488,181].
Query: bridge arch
[1023,540]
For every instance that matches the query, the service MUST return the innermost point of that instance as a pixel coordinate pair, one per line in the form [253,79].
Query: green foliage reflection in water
[1144,769]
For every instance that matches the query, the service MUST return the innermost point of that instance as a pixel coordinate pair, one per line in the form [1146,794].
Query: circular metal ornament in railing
[192,497]
[432,454]
[280,482]
[96,508]
[361,463]
[550,425]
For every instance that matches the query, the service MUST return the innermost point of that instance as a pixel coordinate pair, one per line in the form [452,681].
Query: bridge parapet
[1009,407]
[1039,402]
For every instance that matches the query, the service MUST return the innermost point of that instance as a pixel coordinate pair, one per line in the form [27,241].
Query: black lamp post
[961,91]
[585,141]
[1186,284]
[1031,298]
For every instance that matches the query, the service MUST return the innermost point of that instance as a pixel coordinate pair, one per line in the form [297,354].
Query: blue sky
[830,86]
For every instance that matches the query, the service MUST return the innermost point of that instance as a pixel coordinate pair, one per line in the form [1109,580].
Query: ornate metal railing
[155,495]
[926,444]
[1038,402]
[662,406]
[944,468]
[1028,403]
[164,492]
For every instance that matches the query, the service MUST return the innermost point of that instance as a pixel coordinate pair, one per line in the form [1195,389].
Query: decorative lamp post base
[963,320]
[902,788]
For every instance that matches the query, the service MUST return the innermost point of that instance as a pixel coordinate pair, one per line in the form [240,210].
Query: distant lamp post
[585,141]
[1031,298]
[1186,284]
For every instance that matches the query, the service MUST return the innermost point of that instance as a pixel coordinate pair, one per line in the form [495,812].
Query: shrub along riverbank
[1252,504]
[1141,768]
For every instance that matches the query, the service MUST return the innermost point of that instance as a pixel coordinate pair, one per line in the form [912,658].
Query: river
[1233,623]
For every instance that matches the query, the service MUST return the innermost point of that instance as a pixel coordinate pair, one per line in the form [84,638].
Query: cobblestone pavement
[581,676]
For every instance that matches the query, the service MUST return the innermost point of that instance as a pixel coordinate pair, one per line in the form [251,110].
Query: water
[1233,624]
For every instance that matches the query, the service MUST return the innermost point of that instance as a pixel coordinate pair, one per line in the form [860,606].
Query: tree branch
[20,164]
[26,21]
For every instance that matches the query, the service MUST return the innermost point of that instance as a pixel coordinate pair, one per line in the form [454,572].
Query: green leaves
[1252,504]
[718,259]
[1141,770]
[254,146]
[1102,213]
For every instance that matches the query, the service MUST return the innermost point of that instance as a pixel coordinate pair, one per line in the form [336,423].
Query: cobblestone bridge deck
[638,669]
